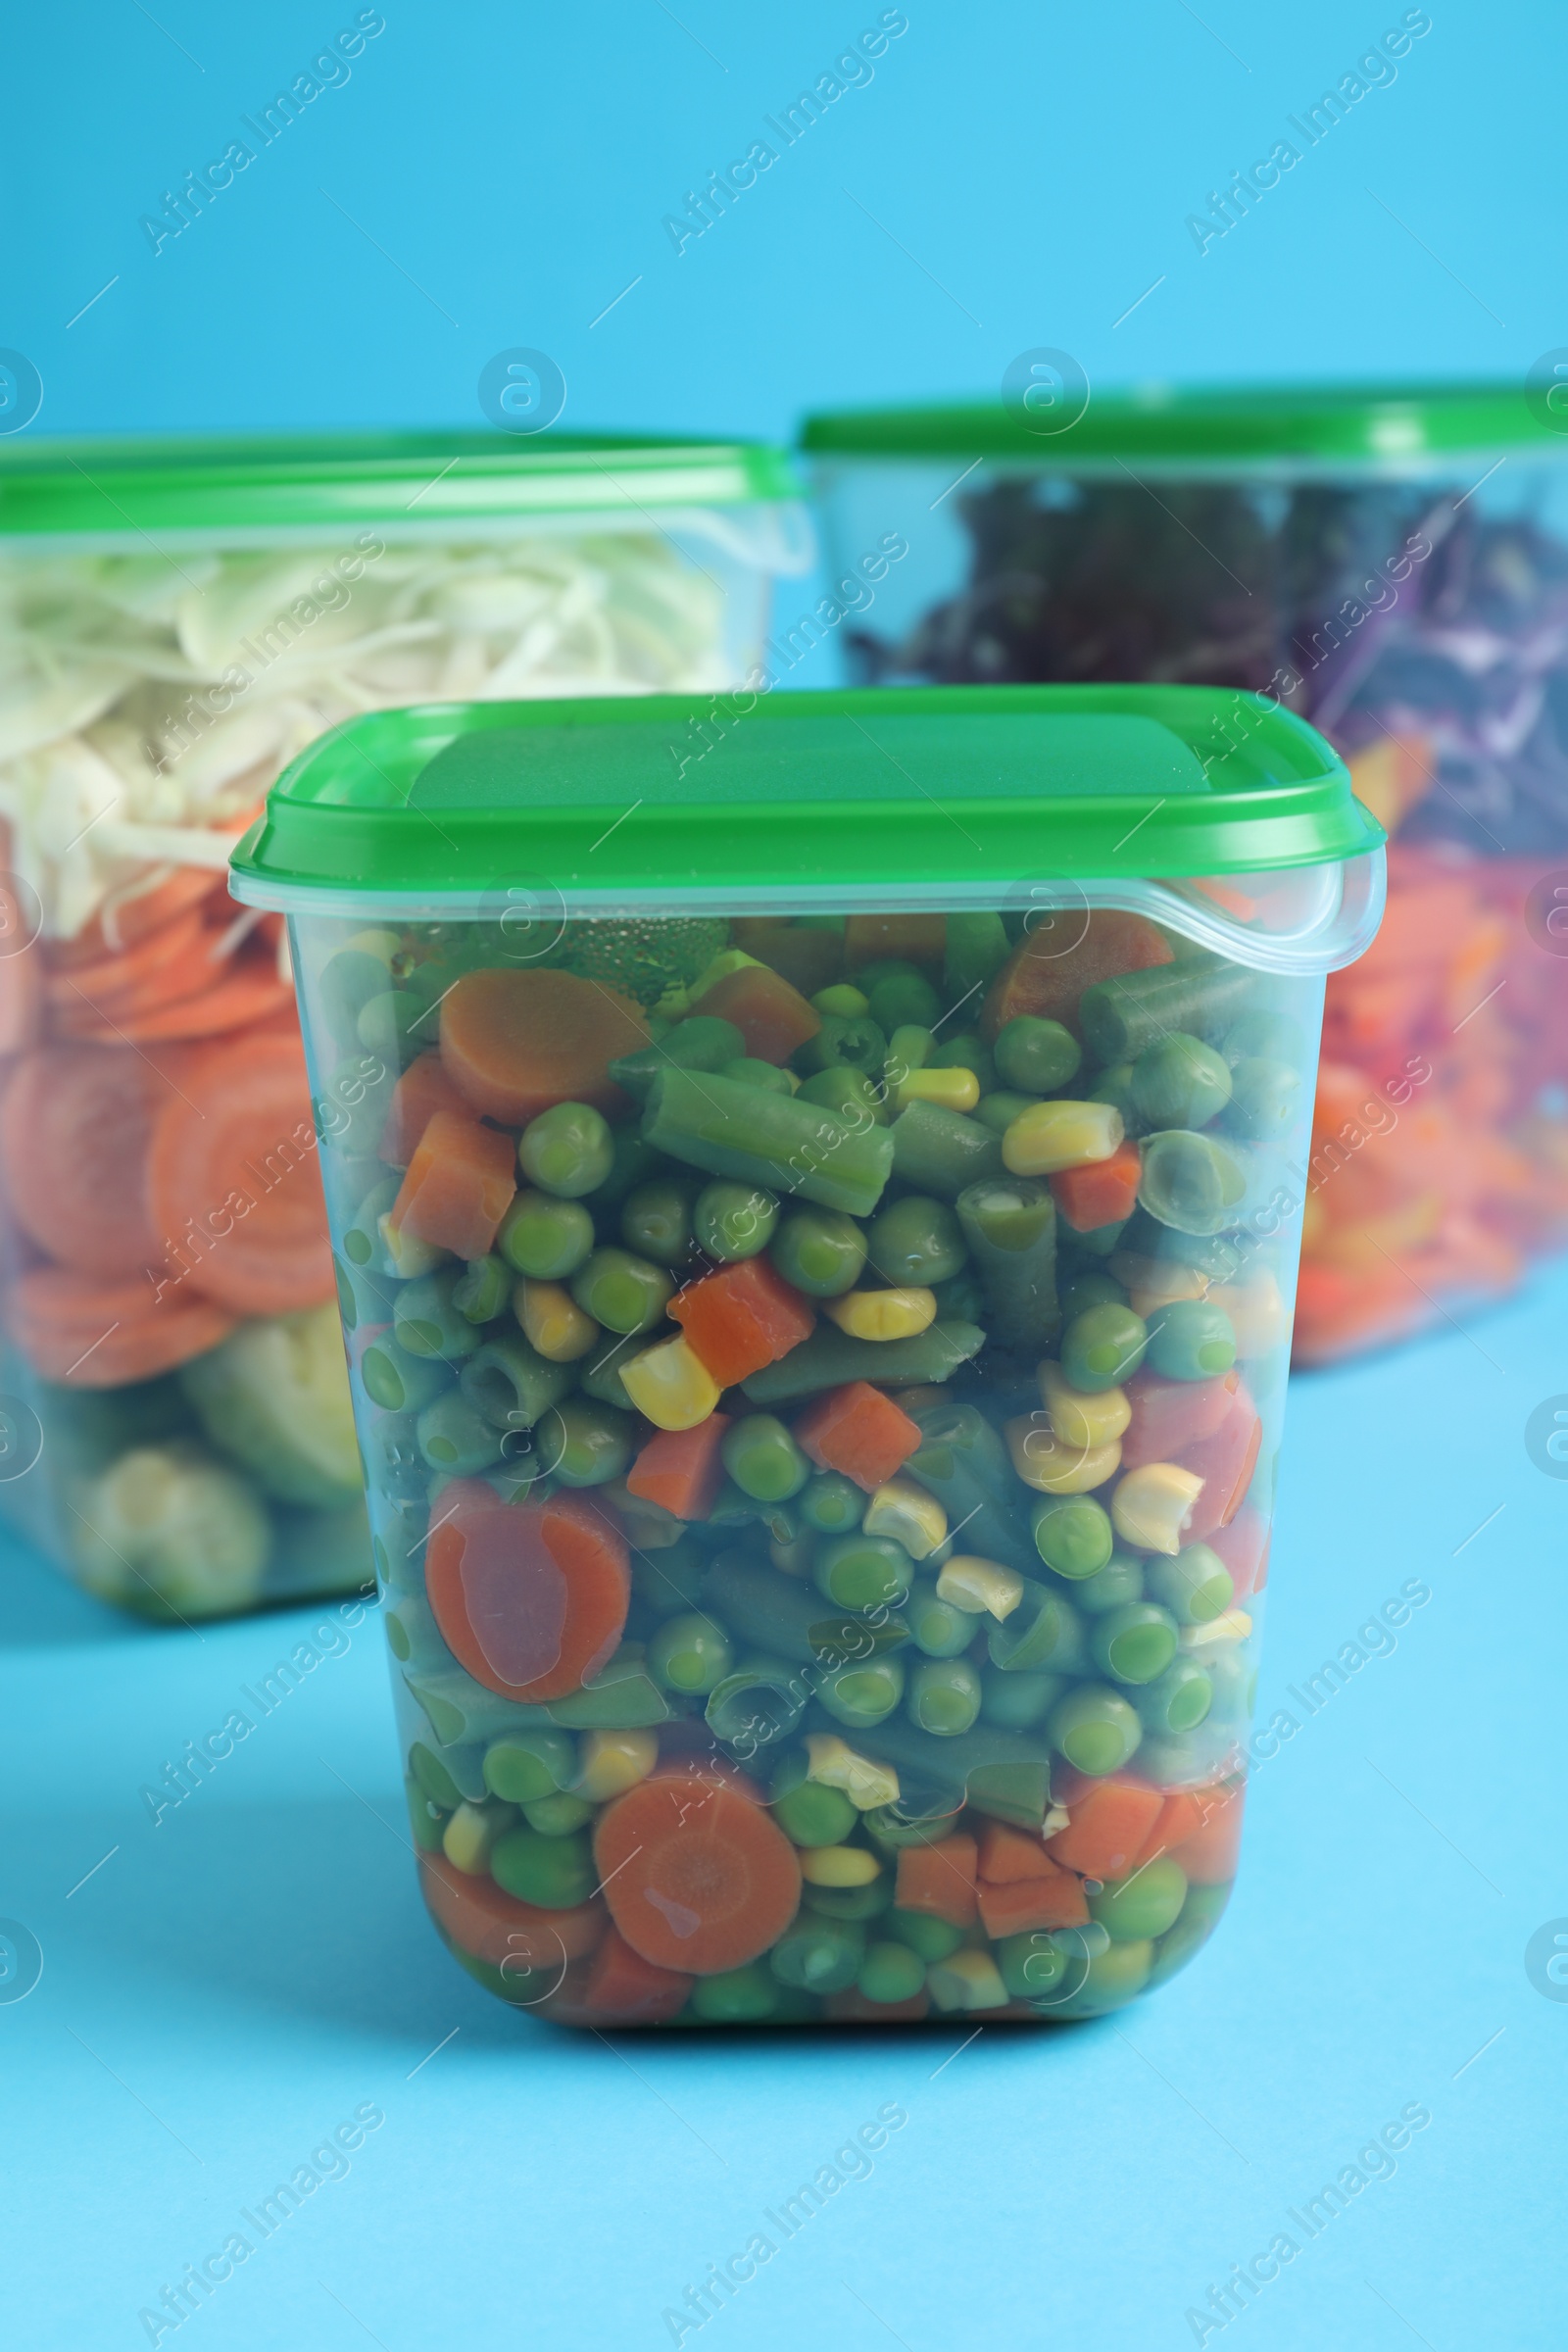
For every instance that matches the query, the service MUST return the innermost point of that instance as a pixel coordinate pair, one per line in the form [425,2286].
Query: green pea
[1044,1635]
[559,1814]
[1191,1340]
[455,1436]
[809,1812]
[1091,1287]
[936,1627]
[1031,1965]
[929,1939]
[433,1778]
[855,1044]
[1073,1534]
[1145,1904]
[390,1025]
[831,1503]
[556,1873]
[1095,1728]
[747,1071]
[916,1241]
[633,1162]
[904,998]
[862,1695]
[362,1237]
[527,1765]
[736,1997]
[621,1292]
[851,1093]
[966,1052]
[1195,1584]
[1121,1580]
[998,1111]
[763,1459]
[849,1902]
[1233,1680]
[818,1955]
[585,1443]
[1177,1700]
[962,1299]
[1102,1348]
[689,1653]
[1180,1082]
[1134,1644]
[1192,1182]
[482,1289]
[669,1581]
[1016,1702]
[401,1383]
[819,1250]
[349,981]
[1200,1915]
[567,1151]
[943,1695]
[1037,1056]
[1115,1087]
[426,1322]
[1110,1980]
[544,1239]
[907,1050]
[891,1972]
[1266,1099]
[655,1220]
[841,999]
[861,1571]
[732,1221]
[1100,1240]
[426,1820]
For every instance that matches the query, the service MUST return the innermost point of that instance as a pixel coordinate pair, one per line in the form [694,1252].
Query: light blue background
[228,1986]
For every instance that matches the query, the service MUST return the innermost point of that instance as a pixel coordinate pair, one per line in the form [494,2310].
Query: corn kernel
[983,1588]
[882,1314]
[951,1090]
[670,1385]
[839,1866]
[909,1514]
[406,1254]
[1052,1466]
[613,1763]
[552,1321]
[1233,1626]
[1152,1504]
[1258,1311]
[1156,1282]
[966,1981]
[1080,1420]
[1048,1136]
[471,1831]
[832,1761]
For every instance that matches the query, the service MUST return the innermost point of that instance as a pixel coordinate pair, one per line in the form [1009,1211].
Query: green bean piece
[747,1071]
[964,1462]
[690,1654]
[942,1151]
[861,1571]
[512,1384]
[701,1042]
[777,1140]
[621,1292]
[1102,1348]
[585,1443]
[1267,1099]
[599,1371]
[960,1298]
[1176,1702]
[1223,1257]
[426,1322]
[858,1044]
[849,1902]
[401,1383]
[655,1220]
[396,1466]
[936,1627]
[1193,1182]
[483,1289]
[757,1704]
[916,1241]
[1121,1580]
[455,1438]
[1100,1240]
[888,1973]
[544,1239]
[622,1697]
[862,1694]
[977,948]
[904,1000]
[928,1938]
[998,1109]
[818,1955]
[1179,1082]
[819,1251]
[1095,1728]
[891,1828]
[807,1811]
[1043,1634]
[763,1459]
[781,1617]
[736,1997]
[848,1092]
[1037,1056]
[1001,1772]
[433,1778]
[555,1873]
[1193,1583]
[567,1151]
[1073,1534]
[1265,1037]
[831,1505]
[1009,1223]
[633,1162]
[1145,1904]
[1017,1703]
[1031,1965]
[558,1815]
[1192,1338]
[1134,1644]
[525,1765]
[733,1221]
[830,1357]
[943,1695]
[1090,1287]
[669,1581]
[1201,994]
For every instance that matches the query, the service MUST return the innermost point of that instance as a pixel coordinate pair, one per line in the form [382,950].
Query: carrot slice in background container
[698,1875]
[86,1333]
[514,1043]
[530,1597]
[459,1185]
[680,1469]
[76,1125]
[250,991]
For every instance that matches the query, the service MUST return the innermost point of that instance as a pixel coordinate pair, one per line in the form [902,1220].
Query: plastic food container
[1392,563]
[176,621]
[820,1320]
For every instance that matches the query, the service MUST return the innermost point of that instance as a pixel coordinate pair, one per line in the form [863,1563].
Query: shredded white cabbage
[148,701]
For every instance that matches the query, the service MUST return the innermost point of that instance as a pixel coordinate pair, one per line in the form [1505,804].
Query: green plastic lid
[940,794]
[1213,425]
[119,488]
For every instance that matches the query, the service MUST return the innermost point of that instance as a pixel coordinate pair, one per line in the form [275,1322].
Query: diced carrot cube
[939,1881]
[679,1469]
[1243,1548]
[741,1317]
[907,938]
[1180,1816]
[1105,1192]
[1208,1856]
[773,1017]
[422,1090]
[1169,1415]
[859,1431]
[625,1988]
[1007,1854]
[459,1185]
[1029,1904]
[1225,1462]
[1108,1823]
[852,2008]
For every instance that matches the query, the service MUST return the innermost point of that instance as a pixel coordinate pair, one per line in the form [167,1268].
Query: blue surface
[232,1985]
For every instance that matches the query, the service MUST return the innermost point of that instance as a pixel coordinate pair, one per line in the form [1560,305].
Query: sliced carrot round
[92,1334]
[110,980]
[247,991]
[73,1135]
[495,1926]
[531,1597]
[137,914]
[233,1181]
[698,1877]
[514,1043]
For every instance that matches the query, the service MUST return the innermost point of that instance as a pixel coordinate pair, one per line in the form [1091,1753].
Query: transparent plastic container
[1390,561]
[176,621]
[820,1320]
